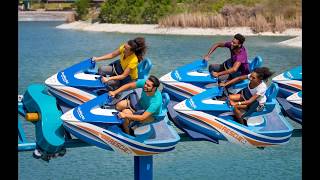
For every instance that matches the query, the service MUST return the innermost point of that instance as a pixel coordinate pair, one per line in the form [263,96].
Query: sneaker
[46,158]
[36,154]
[245,122]
[62,152]
[131,132]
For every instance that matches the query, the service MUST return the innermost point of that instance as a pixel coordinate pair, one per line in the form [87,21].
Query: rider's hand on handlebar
[94,58]
[233,103]
[223,84]
[112,94]
[215,74]
[104,79]
[206,57]
[122,115]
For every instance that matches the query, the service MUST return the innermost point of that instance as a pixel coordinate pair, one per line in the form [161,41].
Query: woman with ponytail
[252,96]
[124,70]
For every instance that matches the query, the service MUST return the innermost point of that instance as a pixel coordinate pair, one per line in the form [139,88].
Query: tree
[82,8]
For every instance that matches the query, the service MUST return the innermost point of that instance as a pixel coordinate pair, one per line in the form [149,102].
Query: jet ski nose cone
[53,80]
[166,78]
[68,116]
[181,106]
[278,78]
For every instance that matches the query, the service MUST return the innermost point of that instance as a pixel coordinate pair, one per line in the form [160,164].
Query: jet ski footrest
[256,121]
[143,131]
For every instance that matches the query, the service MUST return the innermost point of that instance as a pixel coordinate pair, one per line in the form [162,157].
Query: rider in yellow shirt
[124,70]
[130,62]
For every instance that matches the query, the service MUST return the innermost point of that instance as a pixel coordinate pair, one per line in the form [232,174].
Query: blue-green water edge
[44,50]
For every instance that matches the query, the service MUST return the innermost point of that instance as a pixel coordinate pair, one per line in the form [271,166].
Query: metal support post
[143,167]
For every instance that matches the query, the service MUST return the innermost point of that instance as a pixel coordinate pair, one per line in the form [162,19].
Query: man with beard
[144,110]
[235,66]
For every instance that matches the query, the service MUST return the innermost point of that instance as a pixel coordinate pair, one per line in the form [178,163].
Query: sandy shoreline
[295,42]
[154,29]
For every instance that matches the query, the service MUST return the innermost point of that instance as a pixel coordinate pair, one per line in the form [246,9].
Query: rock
[70,18]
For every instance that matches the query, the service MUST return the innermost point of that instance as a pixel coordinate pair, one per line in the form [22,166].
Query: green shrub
[82,8]
[134,11]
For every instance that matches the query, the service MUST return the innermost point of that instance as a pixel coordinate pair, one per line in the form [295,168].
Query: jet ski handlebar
[93,63]
[109,88]
[116,114]
[225,91]
[204,63]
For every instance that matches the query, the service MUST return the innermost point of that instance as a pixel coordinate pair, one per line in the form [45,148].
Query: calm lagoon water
[44,50]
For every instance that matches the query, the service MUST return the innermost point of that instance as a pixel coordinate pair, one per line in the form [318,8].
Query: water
[44,50]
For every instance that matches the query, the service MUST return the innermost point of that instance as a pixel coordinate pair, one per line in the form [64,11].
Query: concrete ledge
[44,15]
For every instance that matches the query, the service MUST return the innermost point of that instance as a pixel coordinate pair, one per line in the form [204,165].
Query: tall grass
[265,16]
[260,24]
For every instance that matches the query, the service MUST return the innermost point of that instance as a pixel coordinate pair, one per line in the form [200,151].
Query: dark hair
[154,80]
[263,73]
[240,38]
[138,46]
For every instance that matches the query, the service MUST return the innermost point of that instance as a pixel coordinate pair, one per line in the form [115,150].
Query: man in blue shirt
[150,102]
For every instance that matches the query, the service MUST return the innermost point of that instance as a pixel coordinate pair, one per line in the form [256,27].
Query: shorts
[222,67]
[134,104]
[114,69]
[254,106]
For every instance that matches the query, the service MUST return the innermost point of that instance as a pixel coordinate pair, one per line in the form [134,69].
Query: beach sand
[154,29]
[295,42]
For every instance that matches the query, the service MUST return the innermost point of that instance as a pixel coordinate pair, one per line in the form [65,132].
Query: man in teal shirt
[150,102]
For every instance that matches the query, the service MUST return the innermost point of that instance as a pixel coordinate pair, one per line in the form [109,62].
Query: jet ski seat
[145,129]
[255,63]
[270,104]
[144,68]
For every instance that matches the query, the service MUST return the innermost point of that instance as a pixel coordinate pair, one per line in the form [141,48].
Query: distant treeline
[135,11]
[260,15]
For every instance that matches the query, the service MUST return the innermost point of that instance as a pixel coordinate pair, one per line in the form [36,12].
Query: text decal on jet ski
[80,113]
[191,102]
[115,143]
[176,73]
[64,78]
[289,75]
[233,134]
